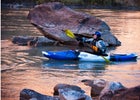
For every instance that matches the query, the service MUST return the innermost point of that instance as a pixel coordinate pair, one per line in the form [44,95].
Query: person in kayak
[96,43]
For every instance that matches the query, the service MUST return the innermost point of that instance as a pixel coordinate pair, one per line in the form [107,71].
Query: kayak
[123,57]
[61,55]
[85,56]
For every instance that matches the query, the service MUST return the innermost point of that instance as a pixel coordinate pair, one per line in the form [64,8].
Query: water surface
[25,67]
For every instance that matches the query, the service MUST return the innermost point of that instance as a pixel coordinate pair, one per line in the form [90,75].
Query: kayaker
[96,44]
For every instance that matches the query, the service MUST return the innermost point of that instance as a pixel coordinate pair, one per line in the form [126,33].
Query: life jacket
[98,45]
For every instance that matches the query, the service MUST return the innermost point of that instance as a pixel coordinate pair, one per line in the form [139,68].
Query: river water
[25,67]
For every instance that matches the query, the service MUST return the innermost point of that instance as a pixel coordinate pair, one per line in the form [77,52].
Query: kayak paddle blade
[69,33]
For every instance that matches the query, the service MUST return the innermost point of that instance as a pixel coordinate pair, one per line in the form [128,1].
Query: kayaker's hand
[81,39]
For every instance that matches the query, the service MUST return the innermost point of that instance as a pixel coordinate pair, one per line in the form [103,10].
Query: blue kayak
[85,56]
[61,55]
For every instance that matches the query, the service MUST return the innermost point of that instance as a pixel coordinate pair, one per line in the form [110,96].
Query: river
[25,67]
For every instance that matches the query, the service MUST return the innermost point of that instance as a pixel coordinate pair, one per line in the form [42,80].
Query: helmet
[98,34]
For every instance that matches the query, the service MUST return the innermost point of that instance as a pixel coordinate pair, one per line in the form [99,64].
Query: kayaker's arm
[84,39]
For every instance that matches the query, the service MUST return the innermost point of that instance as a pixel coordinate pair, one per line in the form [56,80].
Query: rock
[105,90]
[28,94]
[70,94]
[110,89]
[37,41]
[63,86]
[22,40]
[61,92]
[110,39]
[32,41]
[123,94]
[96,86]
[52,18]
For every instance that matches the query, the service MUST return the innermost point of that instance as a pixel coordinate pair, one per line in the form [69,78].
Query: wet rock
[70,94]
[96,86]
[37,41]
[105,90]
[63,86]
[52,18]
[127,94]
[41,41]
[21,40]
[109,90]
[61,92]
[28,94]
[122,94]
[32,41]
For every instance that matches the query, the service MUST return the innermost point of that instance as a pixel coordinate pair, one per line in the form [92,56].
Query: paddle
[70,34]
[106,60]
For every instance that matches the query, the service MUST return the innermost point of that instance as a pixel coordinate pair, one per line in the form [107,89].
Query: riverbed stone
[63,86]
[52,18]
[21,40]
[132,93]
[35,41]
[111,90]
[70,94]
[28,94]
[96,85]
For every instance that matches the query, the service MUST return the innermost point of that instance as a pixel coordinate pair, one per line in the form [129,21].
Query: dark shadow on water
[73,65]
[60,64]
[125,63]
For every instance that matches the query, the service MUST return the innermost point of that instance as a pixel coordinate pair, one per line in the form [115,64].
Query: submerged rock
[52,18]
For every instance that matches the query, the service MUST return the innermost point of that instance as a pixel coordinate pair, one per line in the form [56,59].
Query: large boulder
[52,18]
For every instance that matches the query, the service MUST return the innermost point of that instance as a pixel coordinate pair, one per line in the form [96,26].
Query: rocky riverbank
[100,90]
